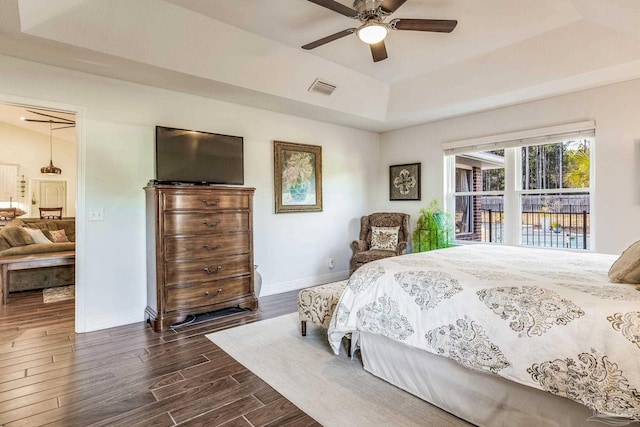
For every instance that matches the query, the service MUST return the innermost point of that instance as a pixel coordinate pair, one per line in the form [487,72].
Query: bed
[500,335]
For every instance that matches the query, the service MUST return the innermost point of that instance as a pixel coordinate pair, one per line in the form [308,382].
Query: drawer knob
[215,224]
[207,294]
[219,245]
[215,270]
[209,203]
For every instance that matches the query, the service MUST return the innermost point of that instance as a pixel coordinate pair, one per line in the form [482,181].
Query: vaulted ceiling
[249,52]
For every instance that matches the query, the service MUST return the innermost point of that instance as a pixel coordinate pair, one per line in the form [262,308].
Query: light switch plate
[96,214]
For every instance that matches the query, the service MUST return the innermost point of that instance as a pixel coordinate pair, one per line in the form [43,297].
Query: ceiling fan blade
[436,25]
[69,121]
[49,121]
[390,6]
[378,51]
[336,7]
[328,39]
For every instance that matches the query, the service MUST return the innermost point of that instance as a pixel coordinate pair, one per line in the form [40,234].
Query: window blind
[540,136]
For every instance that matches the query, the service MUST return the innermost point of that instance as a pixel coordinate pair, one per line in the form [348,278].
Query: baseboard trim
[113,320]
[278,288]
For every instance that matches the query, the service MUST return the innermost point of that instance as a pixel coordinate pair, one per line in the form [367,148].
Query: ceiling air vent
[322,87]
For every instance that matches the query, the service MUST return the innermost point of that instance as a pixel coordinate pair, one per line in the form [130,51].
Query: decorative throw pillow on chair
[384,238]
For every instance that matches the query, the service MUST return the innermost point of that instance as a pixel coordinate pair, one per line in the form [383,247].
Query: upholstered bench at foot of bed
[317,304]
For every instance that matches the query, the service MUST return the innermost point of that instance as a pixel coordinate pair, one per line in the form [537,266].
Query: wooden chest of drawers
[199,250]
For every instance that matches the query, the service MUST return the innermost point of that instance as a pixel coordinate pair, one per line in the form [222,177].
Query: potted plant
[434,229]
[556,227]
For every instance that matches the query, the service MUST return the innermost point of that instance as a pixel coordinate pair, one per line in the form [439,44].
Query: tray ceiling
[248,51]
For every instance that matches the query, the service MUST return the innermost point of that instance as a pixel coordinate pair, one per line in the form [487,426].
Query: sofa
[14,240]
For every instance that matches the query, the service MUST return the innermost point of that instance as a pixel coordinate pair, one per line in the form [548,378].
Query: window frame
[514,192]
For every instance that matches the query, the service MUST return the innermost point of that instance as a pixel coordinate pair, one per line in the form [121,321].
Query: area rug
[334,390]
[61,293]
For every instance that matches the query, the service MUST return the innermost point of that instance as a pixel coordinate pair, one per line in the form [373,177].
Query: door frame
[80,303]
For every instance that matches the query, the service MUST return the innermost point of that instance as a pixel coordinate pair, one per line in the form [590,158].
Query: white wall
[118,128]
[30,150]
[615,109]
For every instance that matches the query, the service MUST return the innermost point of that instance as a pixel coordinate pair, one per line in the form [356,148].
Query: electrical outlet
[331,262]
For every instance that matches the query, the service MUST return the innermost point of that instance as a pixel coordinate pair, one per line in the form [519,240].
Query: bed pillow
[37,235]
[16,236]
[56,236]
[626,269]
[384,238]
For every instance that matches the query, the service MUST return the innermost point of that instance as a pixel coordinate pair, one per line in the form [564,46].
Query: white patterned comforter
[544,318]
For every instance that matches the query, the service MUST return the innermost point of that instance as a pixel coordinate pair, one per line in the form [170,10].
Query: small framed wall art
[404,182]
[297,177]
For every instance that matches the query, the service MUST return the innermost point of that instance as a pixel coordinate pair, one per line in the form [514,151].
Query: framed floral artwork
[297,177]
[404,182]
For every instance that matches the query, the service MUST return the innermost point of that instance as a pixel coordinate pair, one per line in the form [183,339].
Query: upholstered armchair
[363,249]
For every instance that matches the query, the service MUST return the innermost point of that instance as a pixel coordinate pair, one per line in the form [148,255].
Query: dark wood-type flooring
[130,375]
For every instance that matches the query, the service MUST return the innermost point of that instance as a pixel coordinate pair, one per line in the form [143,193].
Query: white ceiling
[248,51]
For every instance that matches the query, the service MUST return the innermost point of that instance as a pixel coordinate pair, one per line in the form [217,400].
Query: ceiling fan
[373,30]
[66,123]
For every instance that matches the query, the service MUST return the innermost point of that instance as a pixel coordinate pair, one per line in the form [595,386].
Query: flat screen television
[193,157]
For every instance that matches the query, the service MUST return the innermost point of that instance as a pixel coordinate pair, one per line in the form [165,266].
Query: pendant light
[51,170]
[51,119]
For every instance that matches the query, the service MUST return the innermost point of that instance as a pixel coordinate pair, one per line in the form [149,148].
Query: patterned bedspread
[544,318]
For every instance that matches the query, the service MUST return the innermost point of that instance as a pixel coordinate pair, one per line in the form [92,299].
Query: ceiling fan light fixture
[373,32]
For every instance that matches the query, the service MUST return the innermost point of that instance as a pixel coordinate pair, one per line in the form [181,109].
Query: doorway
[30,137]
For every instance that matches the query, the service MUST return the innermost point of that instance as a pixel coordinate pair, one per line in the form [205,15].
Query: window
[555,194]
[479,192]
[464,204]
[534,192]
